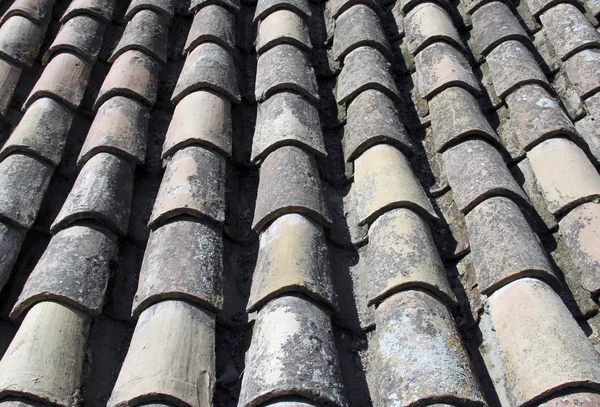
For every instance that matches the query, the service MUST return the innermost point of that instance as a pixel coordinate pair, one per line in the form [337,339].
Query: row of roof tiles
[289,183]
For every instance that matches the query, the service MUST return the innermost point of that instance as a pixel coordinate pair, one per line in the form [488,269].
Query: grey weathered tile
[417,354]
[568,30]
[365,68]
[212,23]
[292,340]
[356,27]
[440,66]
[9,78]
[208,66]
[512,66]
[11,238]
[101,9]
[147,32]
[21,40]
[74,270]
[401,255]
[372,119]
[503,246]
[192,252]
[456,115]
[101,192]
[164,7]
[82,35]
[494,23]
[35,10]
[476,171]
[289,183]
[120,127]
[233,5]
[582,71]
[287,118]
[285,67]
[23,184]
[35,136]
[193,184]
[266,7]
[536,115]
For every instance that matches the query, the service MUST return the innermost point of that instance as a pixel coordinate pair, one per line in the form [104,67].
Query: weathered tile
[494,23]
[101,9]
[147,32]
[401,255]
[285,67]
[133,74]
[417,354]
[384,180]
[583,72]
[163,7]
[120,127]
[292,353]
[171,358]
[580,399]
[564,175]
[476,171]
[202,118]
[193,254]
[282,27]
[9,77]
[503,246]
[212,23]
[208,66]
[541,346]
[580,230]
[23,184]
[440,66]
[65,78]
[524,175]
[287,119]
[21,40]
[35,136]
[74,270]
[455,115]
[536,116]
[336,7]
[356,27]
[292,257]
[233,5]
[101,192]
[512,66]
[289,183]
[82,35]
[365,68]
[407,5]
[35,10]
[266,7]
[45,359]
[428,23]
[193,184]
[568,30]
[11,238]
[373,119]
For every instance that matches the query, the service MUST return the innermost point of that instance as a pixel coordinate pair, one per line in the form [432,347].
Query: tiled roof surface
[295,203]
